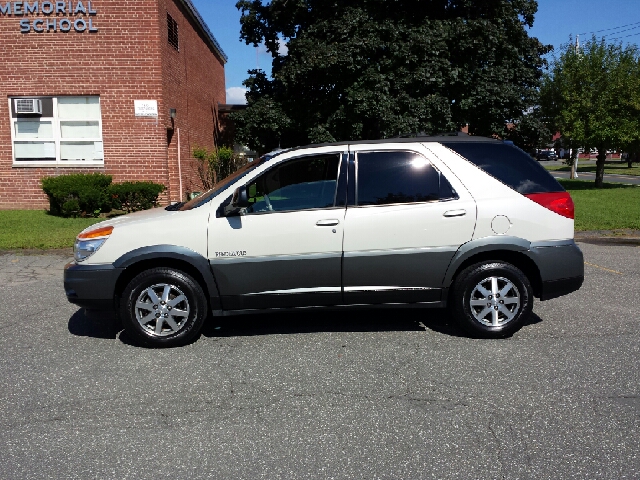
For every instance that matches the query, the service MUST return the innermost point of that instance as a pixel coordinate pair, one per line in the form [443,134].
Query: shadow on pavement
[94,323]
[98,324]
[361,320]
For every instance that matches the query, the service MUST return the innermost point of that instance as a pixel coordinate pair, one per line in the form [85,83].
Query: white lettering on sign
[146,108]
[67,8]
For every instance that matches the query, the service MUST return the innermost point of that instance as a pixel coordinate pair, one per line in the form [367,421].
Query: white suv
[471,223]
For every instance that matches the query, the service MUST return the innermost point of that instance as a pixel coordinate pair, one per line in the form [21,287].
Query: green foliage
[89,195]
[530,131]
[135,196]
[592,96]
[216,164]
[379,68]
[78,195]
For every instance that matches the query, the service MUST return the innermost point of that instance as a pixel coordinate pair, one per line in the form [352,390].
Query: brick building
[127,88]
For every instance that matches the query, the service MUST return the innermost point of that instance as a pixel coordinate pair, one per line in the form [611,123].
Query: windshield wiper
[174,206]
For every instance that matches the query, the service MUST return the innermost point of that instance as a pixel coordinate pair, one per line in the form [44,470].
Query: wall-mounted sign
[146,108]
[76,16]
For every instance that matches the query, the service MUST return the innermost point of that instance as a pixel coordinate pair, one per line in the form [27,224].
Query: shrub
[214,165]
[78,195]
[135,196]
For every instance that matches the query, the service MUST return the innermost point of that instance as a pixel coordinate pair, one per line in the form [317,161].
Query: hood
[134,218]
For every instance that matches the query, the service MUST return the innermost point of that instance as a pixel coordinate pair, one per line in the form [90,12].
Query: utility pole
[574,155]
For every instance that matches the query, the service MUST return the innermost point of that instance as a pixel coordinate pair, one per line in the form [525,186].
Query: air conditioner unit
[28,105]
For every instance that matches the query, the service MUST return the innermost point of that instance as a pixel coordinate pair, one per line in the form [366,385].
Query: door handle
[328,223]
[455,213]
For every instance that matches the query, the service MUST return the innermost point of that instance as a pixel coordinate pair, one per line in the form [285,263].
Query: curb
[609,237]
[60,252]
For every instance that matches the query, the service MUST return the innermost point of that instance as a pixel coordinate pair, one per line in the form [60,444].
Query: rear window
[510,165]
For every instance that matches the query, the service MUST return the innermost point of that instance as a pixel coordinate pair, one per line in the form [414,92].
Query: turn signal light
[97,233]
[558,202]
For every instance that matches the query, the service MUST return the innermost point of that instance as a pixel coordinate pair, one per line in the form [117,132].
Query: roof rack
[423,134]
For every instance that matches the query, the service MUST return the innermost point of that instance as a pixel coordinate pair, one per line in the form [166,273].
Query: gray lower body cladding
[561,268]
[91,286]
[362,278]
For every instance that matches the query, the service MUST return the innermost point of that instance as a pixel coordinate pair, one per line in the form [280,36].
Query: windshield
[222,184]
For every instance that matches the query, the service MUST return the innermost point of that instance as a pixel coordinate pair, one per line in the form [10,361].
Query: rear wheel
[491,299]
[163,307]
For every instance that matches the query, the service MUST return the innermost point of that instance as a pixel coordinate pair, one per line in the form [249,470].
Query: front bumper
[91,286]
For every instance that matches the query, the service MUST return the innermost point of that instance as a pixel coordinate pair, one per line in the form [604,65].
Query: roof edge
[195,15]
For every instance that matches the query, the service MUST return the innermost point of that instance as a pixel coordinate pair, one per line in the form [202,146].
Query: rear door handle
[328,223]
[455,213]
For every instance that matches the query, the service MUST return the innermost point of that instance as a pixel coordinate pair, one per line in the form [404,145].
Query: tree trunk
[602,156]
[574,161]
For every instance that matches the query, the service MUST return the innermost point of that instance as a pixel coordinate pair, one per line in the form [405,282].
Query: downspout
[179,164]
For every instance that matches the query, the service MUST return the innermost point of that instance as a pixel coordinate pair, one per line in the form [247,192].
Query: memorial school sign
[59,16]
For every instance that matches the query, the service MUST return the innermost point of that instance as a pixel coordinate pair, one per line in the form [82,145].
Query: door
[405,224]
[286,249]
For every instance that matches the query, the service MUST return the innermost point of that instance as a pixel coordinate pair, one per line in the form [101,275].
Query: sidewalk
[19,267]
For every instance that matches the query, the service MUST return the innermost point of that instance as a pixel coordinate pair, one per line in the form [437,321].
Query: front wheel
[163,307]
[491,299]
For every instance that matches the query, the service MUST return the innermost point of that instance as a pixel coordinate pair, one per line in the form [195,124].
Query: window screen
[395,177]
[303,183]
[172,27]
[509,164]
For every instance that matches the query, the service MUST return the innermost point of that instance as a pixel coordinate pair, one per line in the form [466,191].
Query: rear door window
[509,164]
[386,178]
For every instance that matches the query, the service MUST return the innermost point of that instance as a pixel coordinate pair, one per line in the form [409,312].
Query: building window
[57,130]
[172,27]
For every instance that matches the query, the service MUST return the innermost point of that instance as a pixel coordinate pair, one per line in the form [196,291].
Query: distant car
[546,155]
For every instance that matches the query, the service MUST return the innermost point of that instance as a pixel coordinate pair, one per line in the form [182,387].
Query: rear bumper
[561,266]
[91,286]
[557,288]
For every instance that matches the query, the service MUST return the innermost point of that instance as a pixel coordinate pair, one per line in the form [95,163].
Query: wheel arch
[180,258]
[509,251]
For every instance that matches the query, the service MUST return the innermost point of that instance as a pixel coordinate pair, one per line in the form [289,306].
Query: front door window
[300,184]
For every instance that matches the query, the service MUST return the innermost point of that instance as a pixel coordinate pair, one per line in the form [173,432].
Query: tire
[491,299]
[163,307]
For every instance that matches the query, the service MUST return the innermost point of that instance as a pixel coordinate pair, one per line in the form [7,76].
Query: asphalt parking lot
[357,394]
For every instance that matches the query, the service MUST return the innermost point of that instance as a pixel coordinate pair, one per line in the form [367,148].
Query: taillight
[558,202]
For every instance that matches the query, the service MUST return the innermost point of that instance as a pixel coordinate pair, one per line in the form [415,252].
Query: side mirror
[239,200]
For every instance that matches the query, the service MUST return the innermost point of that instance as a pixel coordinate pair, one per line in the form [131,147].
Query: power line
[624,36]
[614,28]
[621,31]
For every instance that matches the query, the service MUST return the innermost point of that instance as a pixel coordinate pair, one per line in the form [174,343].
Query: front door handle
[328,223]
[455,213]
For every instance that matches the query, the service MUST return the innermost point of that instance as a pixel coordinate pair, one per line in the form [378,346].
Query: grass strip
[609,168]
[36,229]
[615,206]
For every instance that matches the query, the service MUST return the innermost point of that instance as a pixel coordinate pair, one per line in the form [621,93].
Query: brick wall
[123,61]
[193,84]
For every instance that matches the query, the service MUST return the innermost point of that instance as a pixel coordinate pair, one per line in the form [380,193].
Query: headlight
[88,243]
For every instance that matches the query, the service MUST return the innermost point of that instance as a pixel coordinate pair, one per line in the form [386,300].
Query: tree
[364,69]
[592,95]
[530,131]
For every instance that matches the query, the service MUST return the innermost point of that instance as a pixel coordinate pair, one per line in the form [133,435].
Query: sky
[554,23]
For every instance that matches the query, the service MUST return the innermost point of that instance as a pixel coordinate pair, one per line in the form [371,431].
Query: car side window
[399,177]
[299,184]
